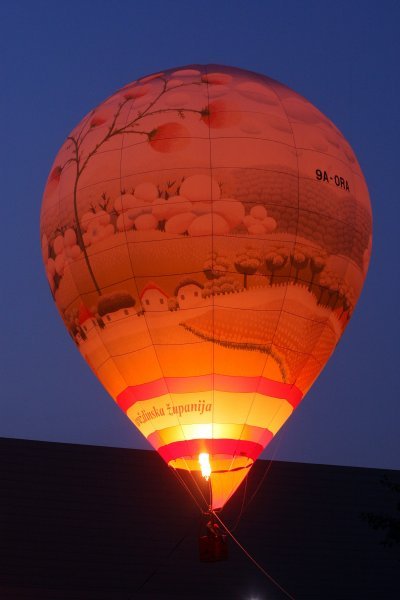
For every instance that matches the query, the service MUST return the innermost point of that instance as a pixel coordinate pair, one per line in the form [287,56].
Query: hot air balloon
[206,232]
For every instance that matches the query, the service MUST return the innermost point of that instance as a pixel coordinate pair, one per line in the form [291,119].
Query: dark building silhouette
[84,522]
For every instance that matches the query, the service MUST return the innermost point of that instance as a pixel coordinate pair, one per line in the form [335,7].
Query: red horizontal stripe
[212,447]
[203,383]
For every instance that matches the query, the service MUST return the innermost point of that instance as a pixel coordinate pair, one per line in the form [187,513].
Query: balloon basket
[212,549]
[214,545]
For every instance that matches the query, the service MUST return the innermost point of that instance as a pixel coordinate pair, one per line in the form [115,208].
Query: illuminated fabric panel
[206,233]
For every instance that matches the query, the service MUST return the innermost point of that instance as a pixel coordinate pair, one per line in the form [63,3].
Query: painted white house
[117,315]
[189,295]
[86,319]
[153,298]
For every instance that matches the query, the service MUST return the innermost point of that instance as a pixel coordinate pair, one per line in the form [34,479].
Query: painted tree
[222,285]
[161,138]
[331,284]
[299,260]
[71,322]
[324,282]
[216,265]
[172,303]
[247,263]
[317,265]
[276,260]
[347,298]
[112,302]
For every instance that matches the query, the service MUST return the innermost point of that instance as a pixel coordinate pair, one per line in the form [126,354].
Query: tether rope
[253,560]
[161,563]
[188,490]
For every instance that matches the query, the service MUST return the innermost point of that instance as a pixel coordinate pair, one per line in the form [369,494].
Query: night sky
[60,59]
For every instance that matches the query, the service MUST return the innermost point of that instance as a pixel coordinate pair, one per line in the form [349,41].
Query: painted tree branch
[112,131]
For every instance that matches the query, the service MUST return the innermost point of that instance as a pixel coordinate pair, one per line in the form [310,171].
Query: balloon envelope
[206,232]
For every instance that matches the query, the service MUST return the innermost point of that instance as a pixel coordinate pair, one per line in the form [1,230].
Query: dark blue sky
[60,59]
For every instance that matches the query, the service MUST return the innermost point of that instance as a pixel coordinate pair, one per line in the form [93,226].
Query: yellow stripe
[201,409]
[207,431]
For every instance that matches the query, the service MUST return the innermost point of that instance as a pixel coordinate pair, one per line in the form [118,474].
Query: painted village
[238,263]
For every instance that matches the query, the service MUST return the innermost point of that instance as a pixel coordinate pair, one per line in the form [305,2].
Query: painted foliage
[206,232]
